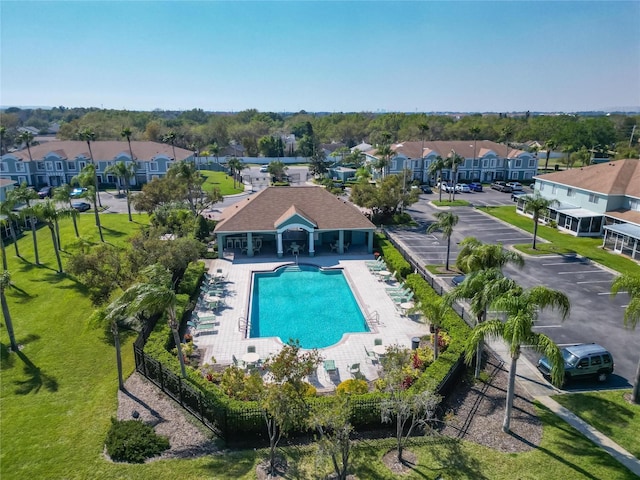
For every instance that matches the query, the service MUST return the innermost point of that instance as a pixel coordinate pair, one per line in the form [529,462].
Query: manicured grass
[222,181]
[544,249]
[587,247]
[454,203]
[609,413]
[59,392]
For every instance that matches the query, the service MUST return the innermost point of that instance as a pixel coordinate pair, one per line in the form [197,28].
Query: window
[518,163]
[49,166]
[553,189]
[71,166]
[493,162]
[584,362]
[570,192]
[597,360]
[59,166]
[153,166]
[593,198]
[607,358]
[40,165]
[476,163]
[532,163]
[3,167]
[485,163]
[22,180]
[82,165]
[20,167]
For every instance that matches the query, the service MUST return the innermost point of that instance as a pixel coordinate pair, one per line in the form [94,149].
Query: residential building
[6,185]
[55,163]
[484,160]
[602,199]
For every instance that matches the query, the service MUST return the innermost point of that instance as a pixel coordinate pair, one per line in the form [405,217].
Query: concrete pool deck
[229,339]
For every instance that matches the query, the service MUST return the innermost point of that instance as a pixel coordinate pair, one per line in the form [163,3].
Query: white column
[340,242]
[279,243]
[312,248]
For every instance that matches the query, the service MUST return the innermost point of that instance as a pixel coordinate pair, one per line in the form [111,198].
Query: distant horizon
[322,56]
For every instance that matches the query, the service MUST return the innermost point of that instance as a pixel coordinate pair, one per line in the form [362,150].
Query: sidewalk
[529,378]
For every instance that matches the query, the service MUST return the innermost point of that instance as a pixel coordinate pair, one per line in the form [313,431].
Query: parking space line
[547,326]
[594,281]
[562,263]
[608,293]
[581,271]
[512,239]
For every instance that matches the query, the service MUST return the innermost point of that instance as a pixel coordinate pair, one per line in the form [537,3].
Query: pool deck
[229,337]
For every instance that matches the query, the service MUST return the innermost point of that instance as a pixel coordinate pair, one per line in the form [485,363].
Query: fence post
[180,391]
[161,376]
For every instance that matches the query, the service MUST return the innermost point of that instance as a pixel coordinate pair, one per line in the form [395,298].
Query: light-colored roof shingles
[263,210]
[621,177]
[102,150]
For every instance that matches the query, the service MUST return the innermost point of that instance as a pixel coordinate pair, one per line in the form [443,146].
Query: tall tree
[435,168]
[549,146]
[124,173]
[46,211]
[454,161]
[24,194]
[5,283]
[62,194]
[436,313]
[631,285]
[475,132]
[445,221]
[86,179]
[537,206]
[522,310]
[171,138]
[27,138]
[3,132]
[9,217]
[89,135]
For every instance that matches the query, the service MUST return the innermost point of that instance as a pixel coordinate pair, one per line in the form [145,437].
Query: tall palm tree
[5,283]
[153,296]
[521,309]
[214,149]
[475,132]
[170,138]
[475,255]
[384,154]
[435,168]
[445,221]
[62,194]
[454,161]
[27,138]
[549,145]
[25,194]
[3,132]
[436,312]
[88,135]
[631,285]
[9,217]
[47,212]
[86,179]
[124,173]
[537,205]
[482,287]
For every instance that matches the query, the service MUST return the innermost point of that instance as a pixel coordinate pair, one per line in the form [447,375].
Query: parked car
[582,361]
[463,188]
[501,186]
[515,186]
[45,192]
[475,186]
[458,279]
[77,192]
[445,187]
[426,189]
[81,206]
[264,168]
[516,195]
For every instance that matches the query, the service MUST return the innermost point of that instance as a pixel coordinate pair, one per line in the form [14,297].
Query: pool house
[298,221]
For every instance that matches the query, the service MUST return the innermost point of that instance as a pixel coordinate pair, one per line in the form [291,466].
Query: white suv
[515,186]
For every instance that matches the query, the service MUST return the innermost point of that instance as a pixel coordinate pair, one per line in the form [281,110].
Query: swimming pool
[315,306]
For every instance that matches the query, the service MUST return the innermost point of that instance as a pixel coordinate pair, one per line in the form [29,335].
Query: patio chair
[396,289]
[205,328]
[374,262]
[371,356]
[354,369]
[403,298]
[333,247]
[346,246]
[237,363]
[399,293]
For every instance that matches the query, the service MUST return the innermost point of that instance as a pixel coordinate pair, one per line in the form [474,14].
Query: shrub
[133,441]
[352,386]
[394,260]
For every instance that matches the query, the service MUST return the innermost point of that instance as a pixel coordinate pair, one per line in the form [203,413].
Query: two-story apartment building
[596,200]
[484,160]
[56,163]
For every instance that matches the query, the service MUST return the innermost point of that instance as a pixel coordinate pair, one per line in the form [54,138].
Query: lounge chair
[400,293]
[373,262]
[205,328]
[403,299]
[371,356]
[377,267]
[237,363]
[354,369]
[396,289]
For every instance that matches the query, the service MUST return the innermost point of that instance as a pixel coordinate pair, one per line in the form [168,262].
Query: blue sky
[321,56]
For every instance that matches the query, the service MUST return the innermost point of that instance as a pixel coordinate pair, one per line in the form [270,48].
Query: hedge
[393,258]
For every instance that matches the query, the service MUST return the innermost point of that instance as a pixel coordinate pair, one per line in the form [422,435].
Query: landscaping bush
[133,441]
[394,260]
[353,386]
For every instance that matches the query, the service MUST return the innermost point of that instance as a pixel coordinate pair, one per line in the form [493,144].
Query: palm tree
[475,256]
[384,154]
[549,145]
[3,132]
[62,194]
[445,222]
[86,179]
[482,287]
[124,173]
[435,168]
[436,312]
[154,296]
[454,161]
[47,212]
[631,285]
[5,283]
[537,205]
[521,309]
[88,135]
[214,149]
[26,138]
[170,138]
[475,131]
[25,194]
[9,217]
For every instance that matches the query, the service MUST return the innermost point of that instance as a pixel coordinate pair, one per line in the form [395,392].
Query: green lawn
[59,392]
[608,412]
[222,181]
[587,247]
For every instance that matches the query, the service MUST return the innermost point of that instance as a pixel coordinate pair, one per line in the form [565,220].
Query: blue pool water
[303,302]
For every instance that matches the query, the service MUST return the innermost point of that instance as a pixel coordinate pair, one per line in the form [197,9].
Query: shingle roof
[461,147]
[102,150]
[620,177]
[262,211]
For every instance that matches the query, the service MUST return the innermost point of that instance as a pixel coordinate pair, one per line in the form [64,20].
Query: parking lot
[595,315]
